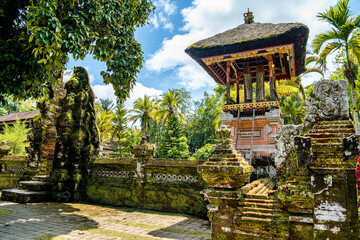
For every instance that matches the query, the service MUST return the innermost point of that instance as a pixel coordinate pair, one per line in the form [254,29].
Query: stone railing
[169,185]
[11,169]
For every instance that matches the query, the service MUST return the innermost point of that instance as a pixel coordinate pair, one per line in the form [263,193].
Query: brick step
[24,196]
[263,210]
[41,178]
[34,185]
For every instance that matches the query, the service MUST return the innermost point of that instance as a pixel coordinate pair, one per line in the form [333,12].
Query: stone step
[263,210]
[328,140]
[24,196]
[328,135]
[34,185]
[257,196]
[333,123]
[333,130]
[260,200]
[261,215]
[41,178]
[346,126]
[263,205]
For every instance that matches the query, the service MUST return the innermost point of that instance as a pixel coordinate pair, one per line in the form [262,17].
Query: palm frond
[320,39]
[329,48]
[354,45]
[311,70]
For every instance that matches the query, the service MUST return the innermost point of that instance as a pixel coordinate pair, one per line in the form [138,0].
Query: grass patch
[47,237]
[5,212]
[139,225]
[119,235]
[162,228]
[186,232]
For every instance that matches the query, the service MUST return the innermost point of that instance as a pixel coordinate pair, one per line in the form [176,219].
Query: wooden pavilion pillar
[237,90]
[260,91]
[228,82]
[272,79]
[248,85]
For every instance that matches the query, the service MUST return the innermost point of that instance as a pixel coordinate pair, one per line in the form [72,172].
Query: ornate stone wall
[169,185]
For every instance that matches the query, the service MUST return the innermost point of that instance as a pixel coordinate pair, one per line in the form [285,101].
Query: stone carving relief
[330,102]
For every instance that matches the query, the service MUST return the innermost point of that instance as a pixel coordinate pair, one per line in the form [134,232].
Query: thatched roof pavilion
[251,45]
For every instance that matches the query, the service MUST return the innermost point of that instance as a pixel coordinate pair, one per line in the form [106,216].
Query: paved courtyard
[86,221]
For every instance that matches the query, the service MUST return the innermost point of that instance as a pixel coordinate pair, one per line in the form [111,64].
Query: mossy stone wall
[167,185]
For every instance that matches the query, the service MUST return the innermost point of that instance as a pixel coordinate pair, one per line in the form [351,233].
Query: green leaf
[42,61]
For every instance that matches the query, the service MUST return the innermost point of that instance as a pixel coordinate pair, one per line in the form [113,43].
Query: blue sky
[176,24]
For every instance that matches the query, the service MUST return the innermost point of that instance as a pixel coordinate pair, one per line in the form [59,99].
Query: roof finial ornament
[248,17]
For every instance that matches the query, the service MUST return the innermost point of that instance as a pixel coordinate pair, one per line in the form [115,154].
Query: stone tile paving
[86,221]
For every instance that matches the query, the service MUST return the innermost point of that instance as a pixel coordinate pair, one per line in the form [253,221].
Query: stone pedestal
[142,152]
[225,173]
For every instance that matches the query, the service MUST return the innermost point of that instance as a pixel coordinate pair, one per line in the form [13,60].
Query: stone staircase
[261,215]
[36,190]
[326,142]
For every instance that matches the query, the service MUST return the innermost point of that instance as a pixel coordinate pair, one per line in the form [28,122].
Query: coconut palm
[143,110]
[169,105]
[341,36]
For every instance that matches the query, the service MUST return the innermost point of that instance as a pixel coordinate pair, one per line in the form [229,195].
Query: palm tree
[143,110]
[104,122]
[170,105]
[341,36]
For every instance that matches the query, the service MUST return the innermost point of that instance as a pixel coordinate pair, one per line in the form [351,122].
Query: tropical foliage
[173,143]
[15,136]
[204,152]
[37,37]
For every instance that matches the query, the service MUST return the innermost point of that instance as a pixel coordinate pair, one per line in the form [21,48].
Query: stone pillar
[260,91]
[224,173]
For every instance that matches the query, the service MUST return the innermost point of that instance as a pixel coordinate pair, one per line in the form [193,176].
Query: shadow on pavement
[40,219]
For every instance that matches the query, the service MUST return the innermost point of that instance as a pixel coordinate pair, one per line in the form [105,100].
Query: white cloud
[164,10]
[139,90]
[67,74]
[205,18]
[91,78]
